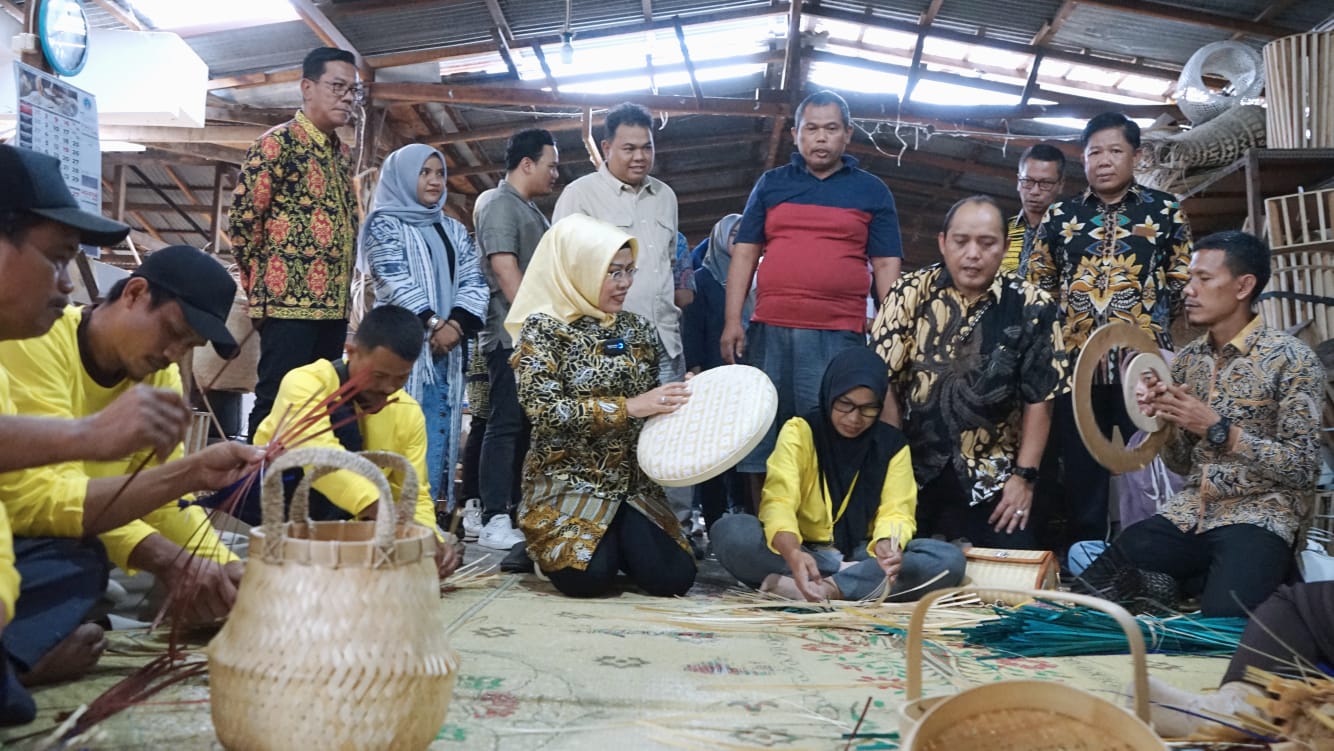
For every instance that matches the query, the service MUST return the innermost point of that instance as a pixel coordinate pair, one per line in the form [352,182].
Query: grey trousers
[738,541]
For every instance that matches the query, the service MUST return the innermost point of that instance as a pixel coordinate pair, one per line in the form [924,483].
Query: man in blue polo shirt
[818,221]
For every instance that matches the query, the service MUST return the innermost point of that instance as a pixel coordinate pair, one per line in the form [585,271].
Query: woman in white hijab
[424,261]
[588,377]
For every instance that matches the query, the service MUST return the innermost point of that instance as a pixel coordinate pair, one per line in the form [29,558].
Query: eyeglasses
[844,406]
[339,89]
[1026,183]
[620,275]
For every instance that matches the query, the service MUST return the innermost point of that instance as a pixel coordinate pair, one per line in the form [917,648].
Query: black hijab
[864,458]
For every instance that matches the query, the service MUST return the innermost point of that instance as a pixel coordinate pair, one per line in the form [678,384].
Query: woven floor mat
[541,671]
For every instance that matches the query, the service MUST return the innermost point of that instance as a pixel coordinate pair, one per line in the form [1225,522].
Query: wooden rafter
[498,18]
[1272,9]
[180,184]
[1049,29]
[12,8]
[792,59]
[124,16]
[328,32]
[690,64]
[138,217]
[928,16]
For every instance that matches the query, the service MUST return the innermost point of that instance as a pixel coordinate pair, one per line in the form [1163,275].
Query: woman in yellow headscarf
[588,377]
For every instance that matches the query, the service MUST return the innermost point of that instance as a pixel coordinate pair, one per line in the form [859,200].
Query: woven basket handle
[406,506]
[324,460]
[1123,618]
[405,510]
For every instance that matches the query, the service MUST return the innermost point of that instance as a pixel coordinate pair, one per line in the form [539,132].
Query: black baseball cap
[31,182]
[201,285]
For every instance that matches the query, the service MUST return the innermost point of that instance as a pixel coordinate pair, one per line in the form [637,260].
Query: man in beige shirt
[622,193]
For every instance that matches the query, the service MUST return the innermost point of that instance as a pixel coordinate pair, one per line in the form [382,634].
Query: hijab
[718,257]
[396,196]
[564,278]
[857,464]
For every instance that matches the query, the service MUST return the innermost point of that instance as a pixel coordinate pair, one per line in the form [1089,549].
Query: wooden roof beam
[498,18]
[124,16]
[329,33]
[435,54]
[792,57]
[690,64]
[928,16]
[1049,29]
[12,8]
[1026,49]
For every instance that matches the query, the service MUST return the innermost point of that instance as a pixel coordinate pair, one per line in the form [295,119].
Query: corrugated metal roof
[415,26]
[1010,20]
[898,10]
[1134,35]
[534,17]
[276,45]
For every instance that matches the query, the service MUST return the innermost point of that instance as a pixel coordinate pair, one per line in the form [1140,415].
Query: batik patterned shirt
[1270,385]
[1019,245]
[574,379]
[293,224]
[962,371]
[1126,261]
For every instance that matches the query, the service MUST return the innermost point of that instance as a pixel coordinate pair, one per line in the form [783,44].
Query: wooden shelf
[1233,198]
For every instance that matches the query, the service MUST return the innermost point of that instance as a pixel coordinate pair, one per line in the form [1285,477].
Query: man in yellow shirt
[380,355]
[41,228]
[172,303]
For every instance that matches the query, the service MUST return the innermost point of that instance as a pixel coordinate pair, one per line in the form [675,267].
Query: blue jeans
[739,543]
[62,579]
[506,441]
[795,360]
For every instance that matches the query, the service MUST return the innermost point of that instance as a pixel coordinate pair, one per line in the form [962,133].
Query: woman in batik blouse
[588,377]
[424,261]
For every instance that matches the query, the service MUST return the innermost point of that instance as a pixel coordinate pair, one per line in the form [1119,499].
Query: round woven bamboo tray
[1026,715]
[337,639]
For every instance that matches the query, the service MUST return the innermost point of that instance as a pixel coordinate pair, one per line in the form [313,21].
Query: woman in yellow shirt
[806,545]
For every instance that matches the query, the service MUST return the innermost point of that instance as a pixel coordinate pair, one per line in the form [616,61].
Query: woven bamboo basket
[1026,715]
[337,640]
[1301,289]
[997,572]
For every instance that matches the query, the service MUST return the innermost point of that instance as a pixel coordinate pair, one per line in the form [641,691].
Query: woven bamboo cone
[337,640]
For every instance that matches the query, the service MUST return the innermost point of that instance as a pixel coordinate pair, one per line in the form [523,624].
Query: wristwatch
[1028,474]
[1218,432]
[435,323]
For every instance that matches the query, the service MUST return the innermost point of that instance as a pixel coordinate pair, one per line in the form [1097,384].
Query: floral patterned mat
[541,671]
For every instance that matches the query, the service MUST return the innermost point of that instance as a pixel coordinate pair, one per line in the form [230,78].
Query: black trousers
[637,546]
[942,509]
[506,442]
[285,345]
[1240,565]
[1086,482]
[472,457]
[1294,626]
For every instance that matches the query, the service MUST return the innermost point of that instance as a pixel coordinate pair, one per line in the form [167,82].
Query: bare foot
[71,658]
[786,586]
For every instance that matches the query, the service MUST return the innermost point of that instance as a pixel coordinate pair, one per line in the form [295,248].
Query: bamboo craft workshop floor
[541,671]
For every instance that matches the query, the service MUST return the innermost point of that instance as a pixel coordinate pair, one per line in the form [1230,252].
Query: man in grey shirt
[508,226]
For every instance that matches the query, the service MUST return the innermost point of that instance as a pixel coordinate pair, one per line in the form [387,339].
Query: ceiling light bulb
[566,48]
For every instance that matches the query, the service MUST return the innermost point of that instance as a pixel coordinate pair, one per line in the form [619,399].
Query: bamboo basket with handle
[337,640]
[1026,715]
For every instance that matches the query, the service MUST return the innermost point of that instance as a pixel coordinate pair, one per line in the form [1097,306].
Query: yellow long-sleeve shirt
[400,427]
[48,379]
[796,500]
[9,575]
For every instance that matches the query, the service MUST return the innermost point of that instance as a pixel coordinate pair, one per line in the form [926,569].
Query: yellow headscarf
[564,278]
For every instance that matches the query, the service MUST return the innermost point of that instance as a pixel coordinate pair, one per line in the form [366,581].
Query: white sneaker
[499,534]
[472,518]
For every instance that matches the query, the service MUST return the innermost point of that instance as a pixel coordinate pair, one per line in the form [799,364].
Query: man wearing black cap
[41,227]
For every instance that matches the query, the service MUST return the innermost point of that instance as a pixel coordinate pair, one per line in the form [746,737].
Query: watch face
[1217,433]
[63,29]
